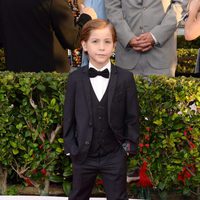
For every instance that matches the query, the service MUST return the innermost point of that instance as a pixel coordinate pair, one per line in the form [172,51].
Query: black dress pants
[113,169]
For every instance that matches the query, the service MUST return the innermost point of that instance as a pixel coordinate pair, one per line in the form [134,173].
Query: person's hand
[146,41]
[143,42]
[135,44]
[88,10]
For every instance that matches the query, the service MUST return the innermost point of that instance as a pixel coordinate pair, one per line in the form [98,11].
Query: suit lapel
[86,86]
[111,88]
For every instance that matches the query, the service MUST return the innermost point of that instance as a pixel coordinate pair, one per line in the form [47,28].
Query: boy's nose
[101,46]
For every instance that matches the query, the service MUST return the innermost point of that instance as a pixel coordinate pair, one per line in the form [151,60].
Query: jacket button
[90,123]
[87,142]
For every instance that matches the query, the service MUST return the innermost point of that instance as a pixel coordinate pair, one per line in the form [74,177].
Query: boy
[100,117]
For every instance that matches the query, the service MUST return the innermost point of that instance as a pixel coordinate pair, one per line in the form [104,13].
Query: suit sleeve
[169,23]
[132,115]
[69,116]
[115,16]
[64,26]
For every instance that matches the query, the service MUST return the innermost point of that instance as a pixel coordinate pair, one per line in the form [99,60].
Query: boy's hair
[97,24]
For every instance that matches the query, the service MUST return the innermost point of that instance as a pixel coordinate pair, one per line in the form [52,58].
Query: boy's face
[99,47]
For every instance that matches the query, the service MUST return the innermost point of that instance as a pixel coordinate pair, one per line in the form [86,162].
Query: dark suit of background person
[1,31]
[134,17]
[38,33]
[93,128]
[1,38]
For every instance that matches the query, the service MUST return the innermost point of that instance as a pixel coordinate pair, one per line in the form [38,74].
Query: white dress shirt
[99,83]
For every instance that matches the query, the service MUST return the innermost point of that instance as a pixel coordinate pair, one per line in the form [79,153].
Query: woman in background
[192,24]
[99,7]
[192,27]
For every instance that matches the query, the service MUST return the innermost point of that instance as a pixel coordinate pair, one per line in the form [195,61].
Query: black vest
[103,139]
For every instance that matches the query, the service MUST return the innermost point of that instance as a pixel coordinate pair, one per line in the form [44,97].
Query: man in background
[37,34]
[146,33]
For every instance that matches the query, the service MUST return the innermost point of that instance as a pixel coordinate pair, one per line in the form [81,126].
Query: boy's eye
[94,41]
[108,41]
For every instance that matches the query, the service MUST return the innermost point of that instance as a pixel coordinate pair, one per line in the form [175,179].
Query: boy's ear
[114,46]
[83,43]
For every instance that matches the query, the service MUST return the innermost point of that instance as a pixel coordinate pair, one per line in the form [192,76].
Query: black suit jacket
[37,34]
[122,111]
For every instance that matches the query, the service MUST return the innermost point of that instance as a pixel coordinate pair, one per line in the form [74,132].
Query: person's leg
[84,176]
[114,171]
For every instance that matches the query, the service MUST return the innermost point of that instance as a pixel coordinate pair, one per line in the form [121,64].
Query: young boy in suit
[101,123]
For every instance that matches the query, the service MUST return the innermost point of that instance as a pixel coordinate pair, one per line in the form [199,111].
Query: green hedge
[182,43]
[186,60]
[2,60]
[31,153]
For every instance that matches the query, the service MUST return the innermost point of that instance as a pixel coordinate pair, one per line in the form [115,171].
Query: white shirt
[99,83]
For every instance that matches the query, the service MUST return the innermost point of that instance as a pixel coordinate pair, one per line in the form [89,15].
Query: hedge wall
[31,153]
[182,43]
[186,60]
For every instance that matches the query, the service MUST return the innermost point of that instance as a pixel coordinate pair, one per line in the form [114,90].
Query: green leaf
[15,151]
[13,144]
[45,114]
[68,172]
[161,185]
[59,150]
[41,87]
[66,187]
[158,122]
[56,179]
[22,148]
[19,126]
[60,140]
[53,102]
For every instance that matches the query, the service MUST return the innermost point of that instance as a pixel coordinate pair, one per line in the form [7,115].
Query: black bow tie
[93,73]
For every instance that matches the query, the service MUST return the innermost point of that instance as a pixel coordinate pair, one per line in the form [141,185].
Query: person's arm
[67,32]
[192,23]
[115,16]
[69,117]
[163,31]
[132,116]
[1,28]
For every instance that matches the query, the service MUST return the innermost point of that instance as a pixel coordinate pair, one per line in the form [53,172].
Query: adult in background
[1,32]
[146,33]
[192,27]
[192,23]
[99,7]
[38,33]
